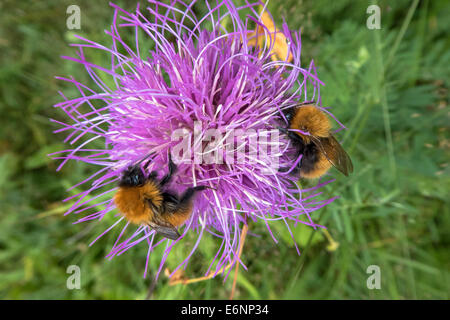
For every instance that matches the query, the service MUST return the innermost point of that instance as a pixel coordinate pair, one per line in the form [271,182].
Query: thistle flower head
[210,91]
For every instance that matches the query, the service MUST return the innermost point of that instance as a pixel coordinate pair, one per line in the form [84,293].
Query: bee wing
[164,228]
[160,225]
[334,152]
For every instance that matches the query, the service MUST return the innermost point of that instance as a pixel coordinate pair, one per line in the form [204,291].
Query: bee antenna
[146,157]
[203,187]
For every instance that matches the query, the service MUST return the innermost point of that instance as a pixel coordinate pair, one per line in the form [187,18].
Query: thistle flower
[203,74]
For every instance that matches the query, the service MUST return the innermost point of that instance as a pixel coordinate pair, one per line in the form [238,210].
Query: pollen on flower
[267,34]
[204,90]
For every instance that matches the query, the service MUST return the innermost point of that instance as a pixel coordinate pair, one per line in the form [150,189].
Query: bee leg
[295,138]
[172,169]
[294,171]
[292,135]
[189,193]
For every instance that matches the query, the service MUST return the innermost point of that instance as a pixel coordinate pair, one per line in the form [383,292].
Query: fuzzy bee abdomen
[180,216]
[316,168]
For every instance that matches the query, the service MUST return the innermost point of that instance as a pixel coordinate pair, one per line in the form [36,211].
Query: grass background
[389,86]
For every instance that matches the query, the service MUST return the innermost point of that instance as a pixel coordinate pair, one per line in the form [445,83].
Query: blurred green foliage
[389,86]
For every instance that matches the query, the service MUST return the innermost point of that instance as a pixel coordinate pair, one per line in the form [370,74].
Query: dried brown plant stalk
[181,280]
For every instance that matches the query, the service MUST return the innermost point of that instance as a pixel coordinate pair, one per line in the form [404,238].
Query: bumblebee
[143,199]
[319,148]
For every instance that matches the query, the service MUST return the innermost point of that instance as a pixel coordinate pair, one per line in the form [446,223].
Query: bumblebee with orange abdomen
[143,199]
[309,130]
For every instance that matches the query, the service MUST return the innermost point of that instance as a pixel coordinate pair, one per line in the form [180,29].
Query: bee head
[132,177]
